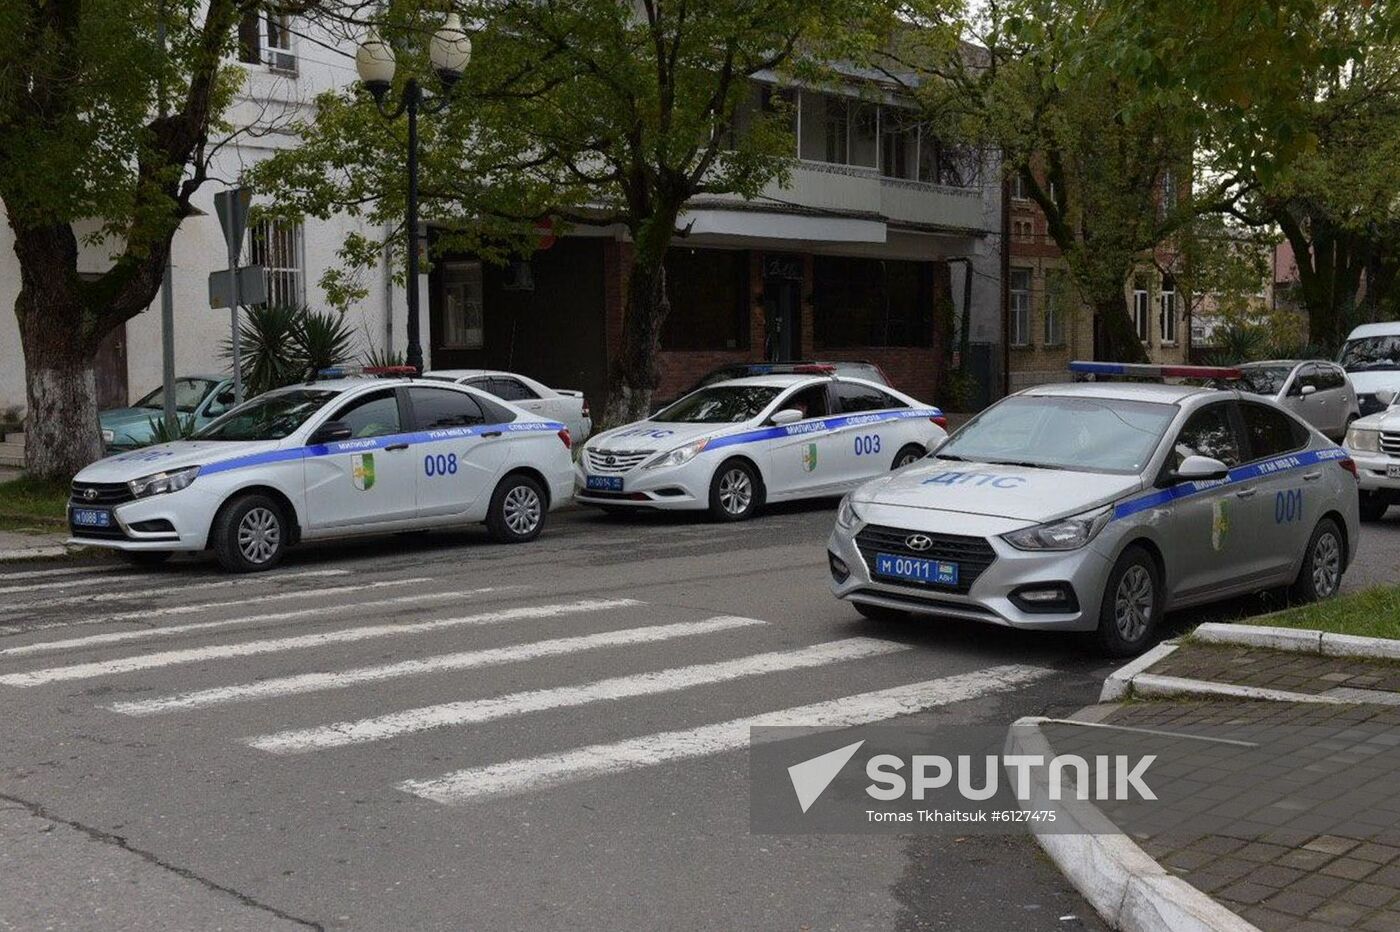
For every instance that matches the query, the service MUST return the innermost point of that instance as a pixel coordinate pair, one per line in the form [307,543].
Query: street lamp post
[449,51]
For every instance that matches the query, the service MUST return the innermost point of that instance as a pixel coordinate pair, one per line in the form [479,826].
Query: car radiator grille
[972,554]
[100,493]
[615,461]
[1390,442]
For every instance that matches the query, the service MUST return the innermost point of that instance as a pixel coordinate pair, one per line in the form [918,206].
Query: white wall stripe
[325,612]
[82,671]
[537,773]
[70,571]
[465,660]
[166,589]
[539,700]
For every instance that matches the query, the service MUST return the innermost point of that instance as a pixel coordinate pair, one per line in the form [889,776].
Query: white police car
[328,459]
[1097,507]
[734,445]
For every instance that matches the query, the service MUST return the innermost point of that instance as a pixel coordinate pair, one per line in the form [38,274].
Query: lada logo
[918,542]
[90,494]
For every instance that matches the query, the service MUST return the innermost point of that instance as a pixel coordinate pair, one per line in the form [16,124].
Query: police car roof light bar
[1146,370]
[345,372]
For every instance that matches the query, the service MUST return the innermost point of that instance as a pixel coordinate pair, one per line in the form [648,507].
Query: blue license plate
[92,517]
[937,572]
[605,483]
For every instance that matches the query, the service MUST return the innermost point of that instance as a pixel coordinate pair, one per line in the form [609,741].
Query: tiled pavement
[1284,878]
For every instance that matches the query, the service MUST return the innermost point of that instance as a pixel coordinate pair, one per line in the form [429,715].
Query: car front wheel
[1132,604]
[250,534]
[735,492]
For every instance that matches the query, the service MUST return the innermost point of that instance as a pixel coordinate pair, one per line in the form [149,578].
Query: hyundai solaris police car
[732,446]
[1098,507]
[328,459]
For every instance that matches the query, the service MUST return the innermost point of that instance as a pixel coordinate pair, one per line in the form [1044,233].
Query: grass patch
[35,505]
[1374,613]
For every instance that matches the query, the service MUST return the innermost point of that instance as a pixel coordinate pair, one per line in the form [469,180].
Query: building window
[276,246]
[462,320]
[1020,307]
[708,289]
[870,302]
[265,37]
[1141,317]
[1018,187]
[1056,302]
[899,145]
[1166,321]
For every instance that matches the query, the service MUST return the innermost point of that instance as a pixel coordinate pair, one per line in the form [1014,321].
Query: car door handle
[1310,476]
[1246,493]
[397,446]
[492,433]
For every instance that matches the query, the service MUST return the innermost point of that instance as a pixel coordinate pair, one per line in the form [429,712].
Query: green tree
[588,112]
[104,139]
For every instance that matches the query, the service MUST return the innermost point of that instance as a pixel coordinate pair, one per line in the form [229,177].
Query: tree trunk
[635,374]
[61,434]
[1117,339]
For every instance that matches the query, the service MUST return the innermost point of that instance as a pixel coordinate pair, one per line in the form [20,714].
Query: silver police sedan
[1098,507]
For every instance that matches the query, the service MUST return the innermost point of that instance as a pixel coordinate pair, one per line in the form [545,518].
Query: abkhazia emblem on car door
[809,457]
[362,471]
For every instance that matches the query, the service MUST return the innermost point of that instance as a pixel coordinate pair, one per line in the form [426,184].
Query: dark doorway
[109,370]
[782,307]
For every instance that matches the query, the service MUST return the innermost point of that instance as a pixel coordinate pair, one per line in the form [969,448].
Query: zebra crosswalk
[315,644]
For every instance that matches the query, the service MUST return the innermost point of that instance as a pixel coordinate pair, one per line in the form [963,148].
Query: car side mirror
[330,432]
[1386,396]
[1200,469]
[786,416]
[1307,390]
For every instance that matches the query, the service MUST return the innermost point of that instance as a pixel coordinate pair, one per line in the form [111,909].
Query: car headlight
[1363,440]
[163,482]
[846,515]
[679,456]
[108,435]
[1067,534]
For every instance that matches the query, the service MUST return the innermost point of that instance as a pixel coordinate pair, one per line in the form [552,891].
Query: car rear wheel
[1374,505]
[1320,576]
[910,453]
[250,534]
[1132,604]
[735,491]
[517,511]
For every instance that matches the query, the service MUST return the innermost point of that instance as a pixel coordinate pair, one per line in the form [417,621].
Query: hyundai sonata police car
[731,446]
[1098,507]
[1374,442]
[328,459]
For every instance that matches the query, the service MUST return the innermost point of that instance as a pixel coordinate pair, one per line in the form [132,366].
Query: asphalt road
[439,733]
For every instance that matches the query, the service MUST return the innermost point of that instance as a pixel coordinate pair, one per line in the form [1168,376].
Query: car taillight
[586,412]
[567,440]
[1349,465]
[940,420]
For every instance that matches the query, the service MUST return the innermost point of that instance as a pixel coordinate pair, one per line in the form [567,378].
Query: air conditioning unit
[285,62]
[519,276]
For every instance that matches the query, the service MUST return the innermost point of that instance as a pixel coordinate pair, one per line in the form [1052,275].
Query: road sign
[232,206]
[252,286]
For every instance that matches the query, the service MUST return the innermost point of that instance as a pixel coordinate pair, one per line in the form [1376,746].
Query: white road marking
[465,660]
[537,773]
[328,613]
[538,700]
[150,614]
[82,671]
[162,590]
[69,571]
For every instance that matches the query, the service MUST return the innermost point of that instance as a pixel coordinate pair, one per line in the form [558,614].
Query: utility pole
[167,299]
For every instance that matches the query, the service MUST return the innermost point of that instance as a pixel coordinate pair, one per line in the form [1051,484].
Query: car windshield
[1057,432]
[188,394]
[1263,380]
[719,404]
[267,417]
[1371,353]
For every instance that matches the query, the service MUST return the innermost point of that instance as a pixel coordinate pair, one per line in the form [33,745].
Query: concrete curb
[1130,890]
[38,553]
[1120,681]
[1153,685]
[1301,640]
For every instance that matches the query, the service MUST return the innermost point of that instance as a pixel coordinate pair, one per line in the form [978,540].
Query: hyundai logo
[918,542]
[610,460]
[90,494]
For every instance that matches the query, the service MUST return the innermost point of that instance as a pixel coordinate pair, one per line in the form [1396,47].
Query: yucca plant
[270,348]
[161,432]
[377,357]
[324,340]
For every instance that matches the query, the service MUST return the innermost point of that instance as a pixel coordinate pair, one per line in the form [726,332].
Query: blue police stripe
[1237,475]
[1097,368]
[817,427]
[375,443]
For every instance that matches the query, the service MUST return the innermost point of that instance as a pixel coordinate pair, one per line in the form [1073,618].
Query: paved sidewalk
[1282,670]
